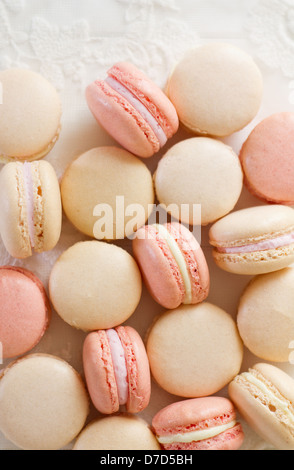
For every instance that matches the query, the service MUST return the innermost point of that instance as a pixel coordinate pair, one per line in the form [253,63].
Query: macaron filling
[139,107]
[119,366]
[29,199]
[180,260]
[265,245]
[196,436]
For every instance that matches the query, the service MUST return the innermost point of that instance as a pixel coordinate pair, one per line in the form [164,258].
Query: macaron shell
[149,94]
[267,157]
[99,372]
[24,311]
[121,432]
[13,214]
[138,369]
[216,89]
[31,110]
[115,114]
[266,421]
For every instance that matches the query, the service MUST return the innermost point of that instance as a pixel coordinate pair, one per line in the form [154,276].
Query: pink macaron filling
[29,198]
[119,366]
[272,244]
[140,108]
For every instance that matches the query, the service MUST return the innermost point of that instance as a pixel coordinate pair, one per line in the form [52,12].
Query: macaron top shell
[199,171]
[99,177]
[266,315]
[44,404]
[120,432]
[24,311]
[95,285]
[267,159]
[216,89]
[31,110]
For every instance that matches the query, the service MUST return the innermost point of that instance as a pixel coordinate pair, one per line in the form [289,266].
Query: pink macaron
[173,265]
[267,159]
[117,370]
[199,424]
[24,311]
[133,110]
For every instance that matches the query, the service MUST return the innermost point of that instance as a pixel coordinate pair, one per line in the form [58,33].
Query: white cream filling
[196,436]
[29,196]
[180,260]
[119,365]
[275,401]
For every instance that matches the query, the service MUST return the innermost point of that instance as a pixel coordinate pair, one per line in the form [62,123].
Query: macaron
[266,315]
[173,264]
[257,240]
[102,188]
[216,89]
[133,110]
[199,174]
[24,311]
[199,424]
[95,285]
[194,351]
[267,159]
[120,432]
[117,370]
[30,208]
[30,110]
[264,396]
[43,401]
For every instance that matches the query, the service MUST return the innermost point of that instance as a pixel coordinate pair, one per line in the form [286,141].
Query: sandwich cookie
[30,208]
[199,424]
[253,241]
[133,110]
[173,265]
[117,370]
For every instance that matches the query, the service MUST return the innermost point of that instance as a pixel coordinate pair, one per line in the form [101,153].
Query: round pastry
[267,159]
[24,311]
[120,432]
[133,110]
[30,116]
[107,193]
[264,396]
[173,265]
[216,89]
[266,315]
[95,285]
[199,171]
[117,370]
[30,208]
[194,351]
[44,404]
[199,424]
[253,241]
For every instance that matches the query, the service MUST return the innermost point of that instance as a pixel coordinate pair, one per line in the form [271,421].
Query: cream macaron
[102,188]
[199,172]
[43,401]
[216,89]
[194,351]
[30,208]
[95,285]
[30,110]
[256,240]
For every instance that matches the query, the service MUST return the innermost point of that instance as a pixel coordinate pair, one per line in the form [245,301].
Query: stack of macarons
[194,349]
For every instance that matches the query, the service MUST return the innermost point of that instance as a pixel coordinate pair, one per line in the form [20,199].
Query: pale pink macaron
[24,311]
[173,264]
[133,110]
[267,159]
[117,370]
[199,424]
